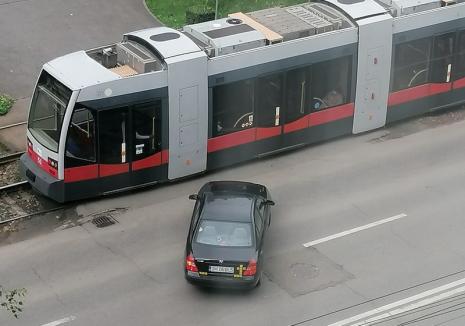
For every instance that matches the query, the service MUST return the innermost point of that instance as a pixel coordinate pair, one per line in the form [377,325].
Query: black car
[225,241]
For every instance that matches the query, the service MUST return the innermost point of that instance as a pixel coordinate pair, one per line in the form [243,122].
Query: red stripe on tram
[459,83]
[263,133]
[165,156]
[148,162]
[417,92]
[331,114]
[81,173]
[106,170]
[298,124]
[231,140]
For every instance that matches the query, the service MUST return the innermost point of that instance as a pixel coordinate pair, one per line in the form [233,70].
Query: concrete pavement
[131,272]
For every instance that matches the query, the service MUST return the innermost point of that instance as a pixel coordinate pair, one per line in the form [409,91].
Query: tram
[166,104]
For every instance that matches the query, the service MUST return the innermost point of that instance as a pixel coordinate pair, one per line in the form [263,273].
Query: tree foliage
[12,300]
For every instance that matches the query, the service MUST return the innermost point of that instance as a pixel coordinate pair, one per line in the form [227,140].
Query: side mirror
[194,197]
[269,202]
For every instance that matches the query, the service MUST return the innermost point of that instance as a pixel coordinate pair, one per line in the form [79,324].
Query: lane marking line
[422,303]
[354,230]
[406,301]
[60,321]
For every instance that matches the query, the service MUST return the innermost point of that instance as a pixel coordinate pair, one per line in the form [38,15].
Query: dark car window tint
[258,219]
[225,234]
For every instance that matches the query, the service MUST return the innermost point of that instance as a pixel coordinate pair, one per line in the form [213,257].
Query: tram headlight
[53,163]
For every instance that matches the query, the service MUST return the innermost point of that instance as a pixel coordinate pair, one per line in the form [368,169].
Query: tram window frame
[153,141]
[402,77]
[233,107]
[73,160]
[330,84]
[270,100]
[442,57]
[459,62]
[298,91]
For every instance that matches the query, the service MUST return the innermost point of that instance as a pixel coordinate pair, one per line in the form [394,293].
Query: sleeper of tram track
[9,169]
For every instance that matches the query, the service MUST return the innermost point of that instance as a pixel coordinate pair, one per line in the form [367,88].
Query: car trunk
[222,261]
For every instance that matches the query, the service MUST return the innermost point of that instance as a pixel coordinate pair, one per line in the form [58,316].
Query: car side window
[195,216]
[258,219]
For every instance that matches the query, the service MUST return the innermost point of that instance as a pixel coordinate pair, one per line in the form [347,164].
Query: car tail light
[251,268]
[190,264]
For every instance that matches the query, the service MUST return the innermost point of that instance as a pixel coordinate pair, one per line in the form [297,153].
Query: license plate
[221,269]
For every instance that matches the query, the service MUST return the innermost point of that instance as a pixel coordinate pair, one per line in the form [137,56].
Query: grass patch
[172,13]
[6,102]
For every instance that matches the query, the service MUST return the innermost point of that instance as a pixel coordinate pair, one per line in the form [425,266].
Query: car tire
[259,282]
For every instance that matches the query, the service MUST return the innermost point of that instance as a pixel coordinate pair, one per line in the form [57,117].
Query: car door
[195,219]
[260,227]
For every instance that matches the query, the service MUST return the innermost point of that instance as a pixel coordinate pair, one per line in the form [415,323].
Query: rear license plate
[221,269]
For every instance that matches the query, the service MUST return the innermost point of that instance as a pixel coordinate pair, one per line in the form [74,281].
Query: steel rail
[13,125]
[10,157]
[14,186]
[42,212]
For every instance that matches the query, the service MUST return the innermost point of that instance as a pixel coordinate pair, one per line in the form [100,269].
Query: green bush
[199,14]
[6,103]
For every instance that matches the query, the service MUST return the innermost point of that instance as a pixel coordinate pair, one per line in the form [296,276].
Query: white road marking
[60,321]
[362,318]
[360,228]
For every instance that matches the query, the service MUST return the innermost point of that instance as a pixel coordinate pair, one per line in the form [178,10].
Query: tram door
[281,108]
[113,145]
[268,109]
[146,143]
[130,145]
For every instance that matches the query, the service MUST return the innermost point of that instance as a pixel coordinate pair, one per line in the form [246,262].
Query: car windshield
[47,110]
[224,234]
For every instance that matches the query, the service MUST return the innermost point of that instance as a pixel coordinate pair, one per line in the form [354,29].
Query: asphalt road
[36,31]
[131,273]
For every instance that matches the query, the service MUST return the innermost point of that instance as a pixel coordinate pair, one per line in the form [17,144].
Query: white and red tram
[164,104]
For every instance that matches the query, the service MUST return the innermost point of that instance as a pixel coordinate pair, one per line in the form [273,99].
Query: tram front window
[47,111]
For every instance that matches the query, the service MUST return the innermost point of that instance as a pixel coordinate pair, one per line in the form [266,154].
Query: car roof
[237,187]
[228,206]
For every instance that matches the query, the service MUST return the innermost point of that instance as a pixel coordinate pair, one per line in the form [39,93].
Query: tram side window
[146,129]
[459,69]
[80,144]
[233,107]
[411,60]
[442,58]
[330,83]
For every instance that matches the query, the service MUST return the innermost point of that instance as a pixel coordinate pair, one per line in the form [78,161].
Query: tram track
[13,125]
[8,158]
[18,201]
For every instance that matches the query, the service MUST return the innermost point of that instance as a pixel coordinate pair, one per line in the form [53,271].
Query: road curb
[151,13]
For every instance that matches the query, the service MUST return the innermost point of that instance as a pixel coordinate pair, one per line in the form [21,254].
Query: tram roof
[75,68]
[359,9]
[166,41]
